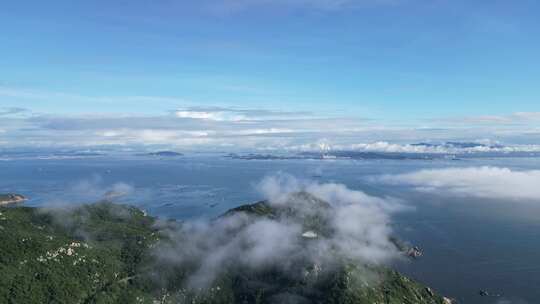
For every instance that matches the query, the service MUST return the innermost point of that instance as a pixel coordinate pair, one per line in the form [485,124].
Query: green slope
[101,253]
[82,256]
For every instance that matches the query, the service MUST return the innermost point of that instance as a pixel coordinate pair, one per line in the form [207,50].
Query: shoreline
[11,198]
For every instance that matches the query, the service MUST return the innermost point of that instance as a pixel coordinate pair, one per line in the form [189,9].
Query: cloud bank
[480,146]
[481,182]
[246,129]
[174,124]
[354,227]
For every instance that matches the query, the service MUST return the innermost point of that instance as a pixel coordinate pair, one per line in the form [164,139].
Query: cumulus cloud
[482,182]
[353,226]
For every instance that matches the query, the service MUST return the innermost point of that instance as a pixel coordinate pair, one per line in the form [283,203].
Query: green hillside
[102,253]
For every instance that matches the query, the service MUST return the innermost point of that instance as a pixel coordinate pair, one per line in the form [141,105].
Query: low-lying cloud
[481,182]
[90,190]
[231,128]
[356,228]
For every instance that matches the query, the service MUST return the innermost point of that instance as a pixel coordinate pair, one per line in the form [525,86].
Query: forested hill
[106,253]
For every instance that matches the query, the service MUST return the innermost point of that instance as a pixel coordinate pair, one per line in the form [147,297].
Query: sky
[268,73]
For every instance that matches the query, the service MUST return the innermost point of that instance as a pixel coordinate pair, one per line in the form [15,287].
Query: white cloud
[475,146]
[262,131]
[444,148]
[213,127]
[218,116]
[152,135]
[482,182]
[237,114]
[360,226]
[513,118]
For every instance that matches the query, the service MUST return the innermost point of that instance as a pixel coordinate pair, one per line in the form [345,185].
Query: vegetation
[86,255]
[102,253]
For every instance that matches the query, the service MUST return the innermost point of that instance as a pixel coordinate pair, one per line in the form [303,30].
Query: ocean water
[469,244]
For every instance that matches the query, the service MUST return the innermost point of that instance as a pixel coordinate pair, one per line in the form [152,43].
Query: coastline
[11,198]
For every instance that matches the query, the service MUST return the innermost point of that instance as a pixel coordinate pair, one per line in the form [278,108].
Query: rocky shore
[11,198]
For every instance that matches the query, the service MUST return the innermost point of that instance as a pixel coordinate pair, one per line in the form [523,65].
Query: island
[110,253]
[11,198]
[162,154]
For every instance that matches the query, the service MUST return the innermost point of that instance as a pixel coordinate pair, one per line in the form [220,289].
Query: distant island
[11,198]
[162,154]
[108,253]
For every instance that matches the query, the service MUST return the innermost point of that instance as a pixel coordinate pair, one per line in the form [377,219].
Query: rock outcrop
[10,198]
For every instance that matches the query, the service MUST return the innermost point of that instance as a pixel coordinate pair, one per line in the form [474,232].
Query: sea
[469,244]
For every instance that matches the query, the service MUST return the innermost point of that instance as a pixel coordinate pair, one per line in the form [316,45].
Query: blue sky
[379,64]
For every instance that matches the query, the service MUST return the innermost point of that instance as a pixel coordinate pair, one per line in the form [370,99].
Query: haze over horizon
[272,74]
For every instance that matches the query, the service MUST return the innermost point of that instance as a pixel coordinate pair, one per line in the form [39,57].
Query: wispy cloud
[510,119]
[12,111]
[44,100]
[232,6]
